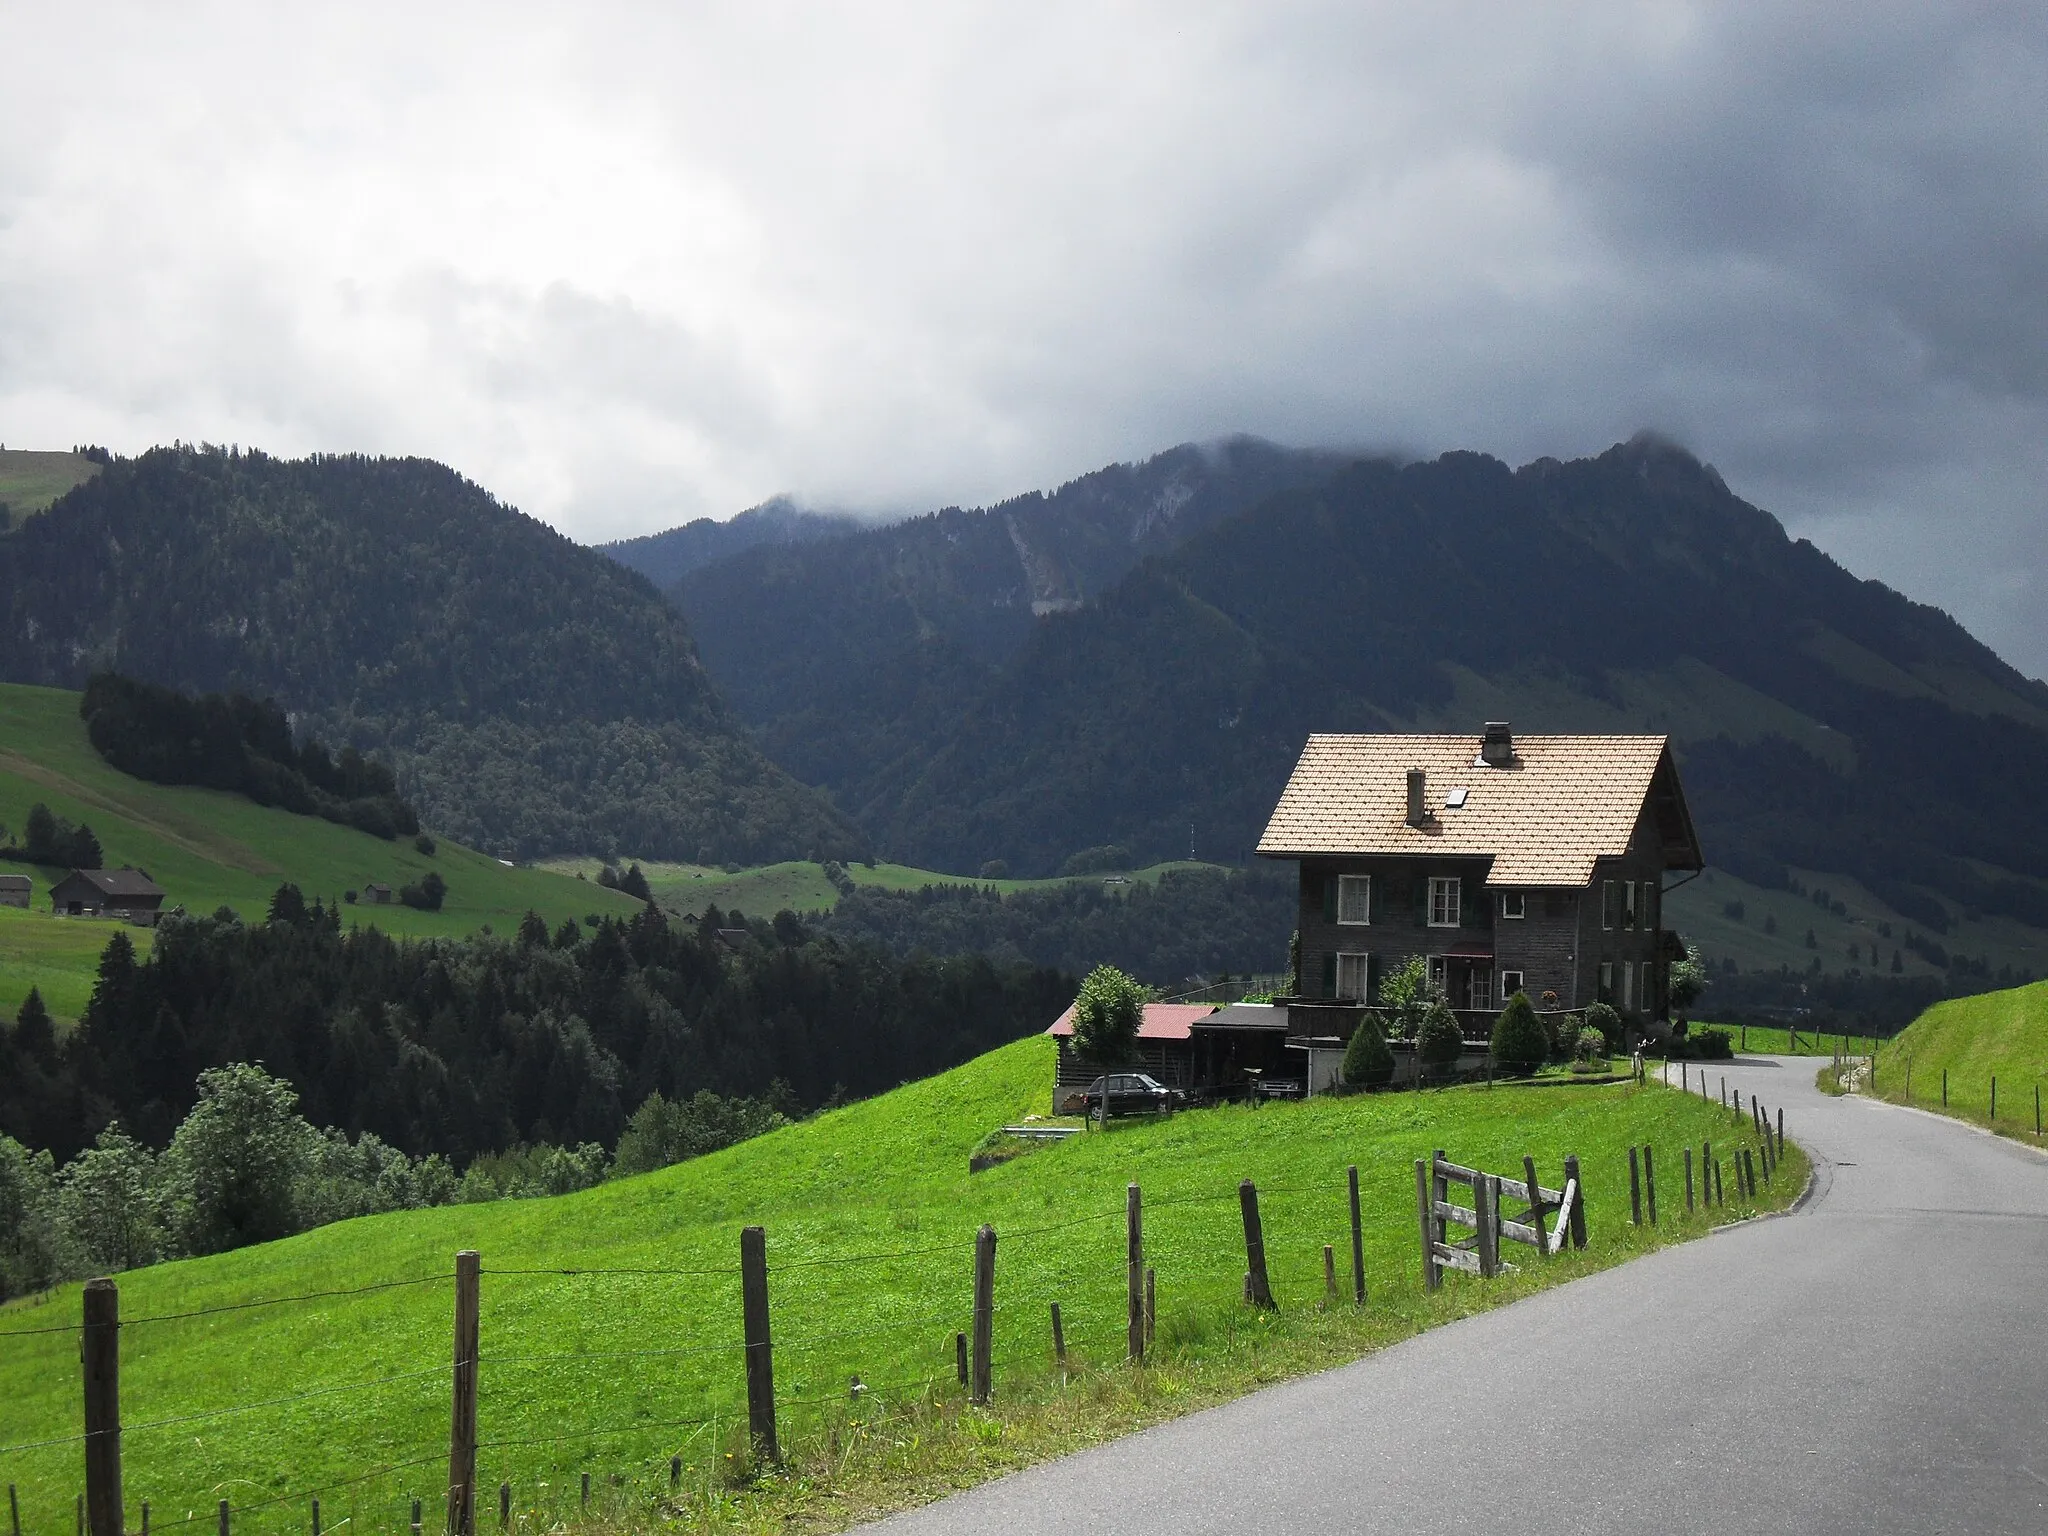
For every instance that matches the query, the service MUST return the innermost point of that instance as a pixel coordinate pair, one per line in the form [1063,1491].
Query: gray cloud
[628,266]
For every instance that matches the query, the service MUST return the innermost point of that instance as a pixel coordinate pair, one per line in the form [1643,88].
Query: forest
[237,743]
[470,1046]
[531,695]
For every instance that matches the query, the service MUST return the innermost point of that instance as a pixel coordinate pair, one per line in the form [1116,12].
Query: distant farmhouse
[14,890]
[124,893]
[1534,865]
[377,895]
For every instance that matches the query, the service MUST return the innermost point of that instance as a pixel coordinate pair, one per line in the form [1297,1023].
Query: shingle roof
[121,882]
[1161,1021]
[1563,802]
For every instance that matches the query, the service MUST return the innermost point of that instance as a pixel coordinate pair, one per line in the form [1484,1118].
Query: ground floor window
[1606,981]
[1353,977]
[1482,988]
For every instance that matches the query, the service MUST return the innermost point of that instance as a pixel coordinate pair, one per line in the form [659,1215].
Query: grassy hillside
[610,1318]
[800,886]
[1997,1034]
[207,848]
[30,481]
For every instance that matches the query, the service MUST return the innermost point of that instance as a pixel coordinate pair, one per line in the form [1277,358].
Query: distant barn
[14,890]
[124,893]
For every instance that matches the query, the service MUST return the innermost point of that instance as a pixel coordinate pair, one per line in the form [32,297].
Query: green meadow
[208,848]
[2002,1035]
[31,480]
[798,886]
[611,1329]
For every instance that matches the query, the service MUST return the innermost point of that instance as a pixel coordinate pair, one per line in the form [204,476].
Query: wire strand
[726,1273]
[278,1301]
[276,1402]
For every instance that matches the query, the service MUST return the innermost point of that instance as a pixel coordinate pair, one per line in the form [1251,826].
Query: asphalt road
[1875,1362]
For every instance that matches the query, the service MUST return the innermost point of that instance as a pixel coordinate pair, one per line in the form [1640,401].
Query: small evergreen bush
[1367,1061]
[1601,1016]
[1520,1042]
[1710,1044]
[1438,1041]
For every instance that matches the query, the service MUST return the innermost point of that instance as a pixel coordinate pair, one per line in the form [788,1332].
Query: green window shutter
[1330,901]
[1421,901]
[1372,978]
[1369,884]
[1464,903]
[1330,974]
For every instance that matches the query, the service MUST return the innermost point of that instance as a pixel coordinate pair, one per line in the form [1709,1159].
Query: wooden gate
[1479,1254]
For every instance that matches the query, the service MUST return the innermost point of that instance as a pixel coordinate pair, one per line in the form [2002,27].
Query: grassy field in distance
[870,1214]
[799,886]
[207,849]
[30,480]
[1994,1034]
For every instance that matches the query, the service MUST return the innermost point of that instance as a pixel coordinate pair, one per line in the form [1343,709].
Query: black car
[1133,1093]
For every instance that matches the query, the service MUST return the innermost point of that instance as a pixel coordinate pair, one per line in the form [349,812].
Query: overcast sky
[628,266]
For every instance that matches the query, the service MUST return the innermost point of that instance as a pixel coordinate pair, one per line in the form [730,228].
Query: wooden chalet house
[1536,864]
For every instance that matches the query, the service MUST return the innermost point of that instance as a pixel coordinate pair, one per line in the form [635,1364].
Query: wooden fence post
[504,1504]
[1994,1099]
[2037,1109]
[100,1353]
[1358,1229]
[1781,1130]
[960,1357]
[985,1311]
[13,1510]
[316,1516]
[1059,1338]
[1578,1218]
[1134,1273]
[1650,1182]
[1432,1277]
[223,1516]
[1635,1187]
[1254,1244]
[1329,1278]
[1688,1181]
[415,1517]
[586,1493]
[1944,1087]
[1486,1189]
[1721,1189]
[1536,1207]
[760,1347]
[462,1408]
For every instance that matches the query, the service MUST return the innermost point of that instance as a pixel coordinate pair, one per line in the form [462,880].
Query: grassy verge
[870,1213]
[1948,1059]
[1771,1040]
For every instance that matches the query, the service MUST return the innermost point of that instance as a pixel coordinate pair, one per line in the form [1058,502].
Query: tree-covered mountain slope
[850,653]
[666,558]
[534,696]
[1824,723]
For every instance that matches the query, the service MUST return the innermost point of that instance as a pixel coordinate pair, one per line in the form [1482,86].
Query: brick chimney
[1418,798]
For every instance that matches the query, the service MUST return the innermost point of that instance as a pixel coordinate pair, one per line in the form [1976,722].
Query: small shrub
[1710,1044]
[1590,1048]
[1520,1042]
[1601,1016]
[996,869]
[428,895]
[1367,1061]
[349,897]
[1438,1040]
[425,844]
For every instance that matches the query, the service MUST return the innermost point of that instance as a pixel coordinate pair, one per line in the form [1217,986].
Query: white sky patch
[631,265]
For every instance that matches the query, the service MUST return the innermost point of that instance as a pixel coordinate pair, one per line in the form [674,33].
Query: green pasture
[207,849]
[31,480]
[870,1215]
[797,886]
[1974,1039]
[1771,1040]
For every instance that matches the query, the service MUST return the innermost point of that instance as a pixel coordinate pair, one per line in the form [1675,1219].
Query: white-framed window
[1610,904]
[1354,976]
[1354,900]
[1606,981]
[1632,915]
[1628,984]
[1648,909]
[1444,901]
[1510,984]
[1514,905]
